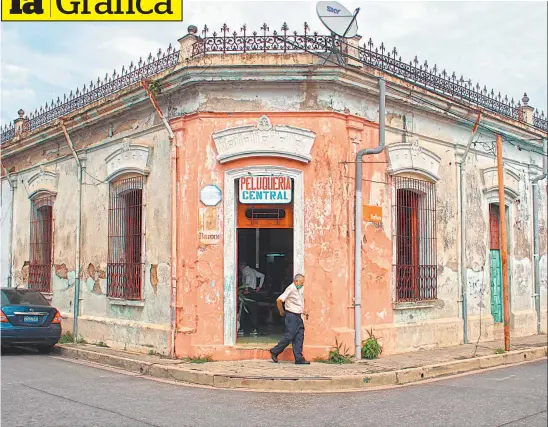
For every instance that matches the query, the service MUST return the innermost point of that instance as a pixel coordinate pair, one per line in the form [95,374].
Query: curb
[338,383]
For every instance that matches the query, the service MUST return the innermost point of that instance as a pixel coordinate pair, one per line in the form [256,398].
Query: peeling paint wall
[328,236]
[94,146]
[5,231]
[329,211]
[342,109]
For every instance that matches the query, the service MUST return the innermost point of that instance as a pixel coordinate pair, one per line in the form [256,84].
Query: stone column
[186,44]
[19,122]
[526,111]
[353,51]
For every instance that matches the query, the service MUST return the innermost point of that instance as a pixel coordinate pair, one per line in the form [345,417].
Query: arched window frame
[41,240]
[414,239]
[126,248]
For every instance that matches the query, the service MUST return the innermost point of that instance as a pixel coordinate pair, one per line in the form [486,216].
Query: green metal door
[496,285]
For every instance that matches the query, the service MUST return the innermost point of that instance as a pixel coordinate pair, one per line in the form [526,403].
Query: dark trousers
[294,334]
[251,322]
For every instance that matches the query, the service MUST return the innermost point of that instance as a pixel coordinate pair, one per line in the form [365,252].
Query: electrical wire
[96,179]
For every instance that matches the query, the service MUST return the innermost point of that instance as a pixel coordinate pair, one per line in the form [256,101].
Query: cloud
[501,45]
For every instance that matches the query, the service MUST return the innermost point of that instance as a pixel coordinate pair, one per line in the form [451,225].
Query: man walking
[293,297]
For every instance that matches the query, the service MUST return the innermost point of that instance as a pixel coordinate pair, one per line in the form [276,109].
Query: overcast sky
[499,44]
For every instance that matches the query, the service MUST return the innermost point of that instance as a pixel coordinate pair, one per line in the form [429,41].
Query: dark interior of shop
[270,252]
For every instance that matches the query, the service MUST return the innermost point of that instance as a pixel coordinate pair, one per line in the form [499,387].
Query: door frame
[230,236]
[492,198]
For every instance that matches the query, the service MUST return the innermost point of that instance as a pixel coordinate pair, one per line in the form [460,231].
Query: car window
[5,299]
[22,297]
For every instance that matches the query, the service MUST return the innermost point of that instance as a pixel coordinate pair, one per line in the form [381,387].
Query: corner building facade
[239,120]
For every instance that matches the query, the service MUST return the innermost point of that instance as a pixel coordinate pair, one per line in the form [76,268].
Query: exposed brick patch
[25,272]
[61,271]
[91,271]
[97,288]
[154,277]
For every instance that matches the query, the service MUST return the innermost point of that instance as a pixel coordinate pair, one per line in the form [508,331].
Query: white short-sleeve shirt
[293,299]
[250,277]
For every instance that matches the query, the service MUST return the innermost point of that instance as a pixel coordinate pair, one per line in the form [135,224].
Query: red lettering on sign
[265,183]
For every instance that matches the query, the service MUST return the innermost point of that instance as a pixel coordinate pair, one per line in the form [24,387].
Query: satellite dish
[337,18]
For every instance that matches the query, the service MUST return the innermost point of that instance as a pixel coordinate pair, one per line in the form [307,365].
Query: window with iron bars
[41,243]
[415,238]
[125,238]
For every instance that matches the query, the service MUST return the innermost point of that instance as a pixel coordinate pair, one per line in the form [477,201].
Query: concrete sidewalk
[284,376]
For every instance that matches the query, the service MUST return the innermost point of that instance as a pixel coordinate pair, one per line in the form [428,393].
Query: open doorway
[265,248]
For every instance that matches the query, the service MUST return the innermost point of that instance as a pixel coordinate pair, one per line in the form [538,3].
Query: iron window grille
[41,243]
[125,239]
[415,239]
[494,222]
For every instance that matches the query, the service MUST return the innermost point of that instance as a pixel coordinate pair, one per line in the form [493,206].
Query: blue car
[28,319]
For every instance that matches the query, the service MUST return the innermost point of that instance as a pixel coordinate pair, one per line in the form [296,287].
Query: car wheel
[44,349]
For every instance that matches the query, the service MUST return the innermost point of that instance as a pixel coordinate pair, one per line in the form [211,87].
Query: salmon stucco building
[133,204]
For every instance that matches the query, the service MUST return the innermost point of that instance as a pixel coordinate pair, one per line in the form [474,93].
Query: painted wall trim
[490,182]
[264,140]
[407,157]
[43,181]
[130,158]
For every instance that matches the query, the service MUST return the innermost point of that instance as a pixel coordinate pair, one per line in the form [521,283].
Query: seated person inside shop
[247,298]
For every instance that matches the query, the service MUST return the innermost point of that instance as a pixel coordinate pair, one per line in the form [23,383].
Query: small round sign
[211,195]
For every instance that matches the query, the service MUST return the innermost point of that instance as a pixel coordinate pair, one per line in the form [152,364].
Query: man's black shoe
[274,357]
[302,362]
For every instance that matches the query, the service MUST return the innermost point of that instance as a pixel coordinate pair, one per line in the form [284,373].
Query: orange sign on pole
[372,213]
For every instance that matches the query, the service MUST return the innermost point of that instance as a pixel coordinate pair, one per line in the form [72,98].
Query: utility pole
[503,246]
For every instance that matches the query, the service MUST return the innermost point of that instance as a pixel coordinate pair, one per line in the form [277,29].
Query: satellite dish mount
[340,22]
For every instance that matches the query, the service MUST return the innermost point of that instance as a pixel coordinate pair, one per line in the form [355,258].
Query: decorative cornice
[96,91]
[433,79]
[264,140]
[388,61]
[511,182]
[130,158]
[412,158]
[43,181]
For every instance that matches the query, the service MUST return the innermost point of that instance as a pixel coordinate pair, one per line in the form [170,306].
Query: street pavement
[48,391]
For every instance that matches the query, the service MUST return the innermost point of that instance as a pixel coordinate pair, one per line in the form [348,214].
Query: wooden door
[495,263]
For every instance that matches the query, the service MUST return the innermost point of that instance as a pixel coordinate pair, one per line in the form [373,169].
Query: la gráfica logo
[92,10]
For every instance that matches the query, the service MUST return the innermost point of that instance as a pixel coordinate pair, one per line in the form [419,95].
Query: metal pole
[174,239]
[464,284]
[464,291]
[12,207]
[76,303]
[503,246]
[536,254]
[358,226]
[536,249]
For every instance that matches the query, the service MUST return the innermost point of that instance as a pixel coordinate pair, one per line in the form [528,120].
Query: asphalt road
[47,391]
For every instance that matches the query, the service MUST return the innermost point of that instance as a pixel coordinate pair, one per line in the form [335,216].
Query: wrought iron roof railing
[254,42]
[284,41]
[149,67]
[433,79]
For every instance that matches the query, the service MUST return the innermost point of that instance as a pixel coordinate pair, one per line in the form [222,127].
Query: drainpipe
[358,233]
[536,250]
[173,260]
[464,292]
[12,207]
[78,235]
